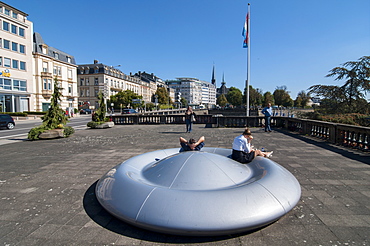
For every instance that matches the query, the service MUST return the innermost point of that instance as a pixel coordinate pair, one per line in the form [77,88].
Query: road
[22,127]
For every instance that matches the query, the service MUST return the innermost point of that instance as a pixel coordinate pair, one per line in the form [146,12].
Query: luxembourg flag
[245,32]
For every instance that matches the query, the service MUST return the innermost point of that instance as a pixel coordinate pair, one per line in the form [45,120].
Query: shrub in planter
[54,118]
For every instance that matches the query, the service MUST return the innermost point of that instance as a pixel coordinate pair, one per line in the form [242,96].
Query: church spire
[213,80]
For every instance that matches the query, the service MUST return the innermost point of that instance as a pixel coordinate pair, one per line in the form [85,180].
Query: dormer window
[44,49]
[68,59]
[56,55]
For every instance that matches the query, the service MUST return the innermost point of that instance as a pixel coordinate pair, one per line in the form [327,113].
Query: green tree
[357,75]
[302,99]
[350,97]
[55,115]
[268,98]
[163,97]
[54,118]
[234,96]
[221,100]
[184,102]
[255,96]
[123,98]
[282,97]
[100,113]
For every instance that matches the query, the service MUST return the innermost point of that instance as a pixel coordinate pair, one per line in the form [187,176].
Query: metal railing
[341,134]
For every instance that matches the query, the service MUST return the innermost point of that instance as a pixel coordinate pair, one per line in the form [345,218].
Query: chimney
[96,61]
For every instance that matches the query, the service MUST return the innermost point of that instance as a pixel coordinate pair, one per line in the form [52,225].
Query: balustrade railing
[341,134]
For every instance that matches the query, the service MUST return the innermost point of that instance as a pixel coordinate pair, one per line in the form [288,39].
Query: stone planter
[104,125]
[50,134]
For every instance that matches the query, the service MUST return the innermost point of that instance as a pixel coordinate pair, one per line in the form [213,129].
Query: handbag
[192,118]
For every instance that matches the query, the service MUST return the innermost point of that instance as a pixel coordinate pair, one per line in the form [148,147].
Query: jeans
[188,125]
[267,123]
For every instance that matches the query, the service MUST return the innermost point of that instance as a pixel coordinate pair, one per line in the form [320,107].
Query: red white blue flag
[245,32]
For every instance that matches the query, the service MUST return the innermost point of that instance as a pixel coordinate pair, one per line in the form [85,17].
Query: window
[19,85]
[81,81]
[15,15]
[22,48]
[45,84]
[45,67]
[21,32]
[15,64]
[23,85]
[87,81]
[7,12]
[68,59]
[14,29]
[22,66]
[5,26]
[96,81]
[60,71]
[1,9]
[97,70]
[81,93]
[87,93]
[7,84]
[1,42]
[14,46]
[6,44]
[1,61]
[6,62]
[56,55]
[70,73]
[70,89]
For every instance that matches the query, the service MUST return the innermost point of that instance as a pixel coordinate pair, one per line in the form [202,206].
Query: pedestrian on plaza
[189,119]
[243,151]
[267,111]
[191,145]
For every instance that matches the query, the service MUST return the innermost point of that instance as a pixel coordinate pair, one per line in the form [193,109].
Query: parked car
[129,111]
[85,111]
[7,121]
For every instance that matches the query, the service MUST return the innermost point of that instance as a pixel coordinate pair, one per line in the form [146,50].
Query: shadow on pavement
[100,216]
[346,152]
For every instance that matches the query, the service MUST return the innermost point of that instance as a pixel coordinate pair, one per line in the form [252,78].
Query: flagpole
[248,59]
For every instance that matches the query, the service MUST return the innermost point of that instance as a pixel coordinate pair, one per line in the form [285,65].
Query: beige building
[16,80]
[96,77]
[50,63]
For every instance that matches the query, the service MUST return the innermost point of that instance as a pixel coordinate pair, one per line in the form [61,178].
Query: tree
[356,74]
[268,98]
[348,98]
[124,98]
[282,97]
[255,96]
[184,102]
[100,113]
[163,97]
[55,115]
[221,100]
[234,96]
[302,99]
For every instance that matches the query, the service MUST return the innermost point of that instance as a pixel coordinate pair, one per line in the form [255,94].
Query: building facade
[195,91]
[96,77]
[50,63]
[16,75]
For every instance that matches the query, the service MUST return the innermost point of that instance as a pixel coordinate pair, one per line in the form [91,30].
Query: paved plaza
[47,189]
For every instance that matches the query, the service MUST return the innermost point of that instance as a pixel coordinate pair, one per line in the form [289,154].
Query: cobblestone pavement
[47,189]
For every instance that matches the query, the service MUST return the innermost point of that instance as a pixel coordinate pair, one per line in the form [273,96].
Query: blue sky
[293,43]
